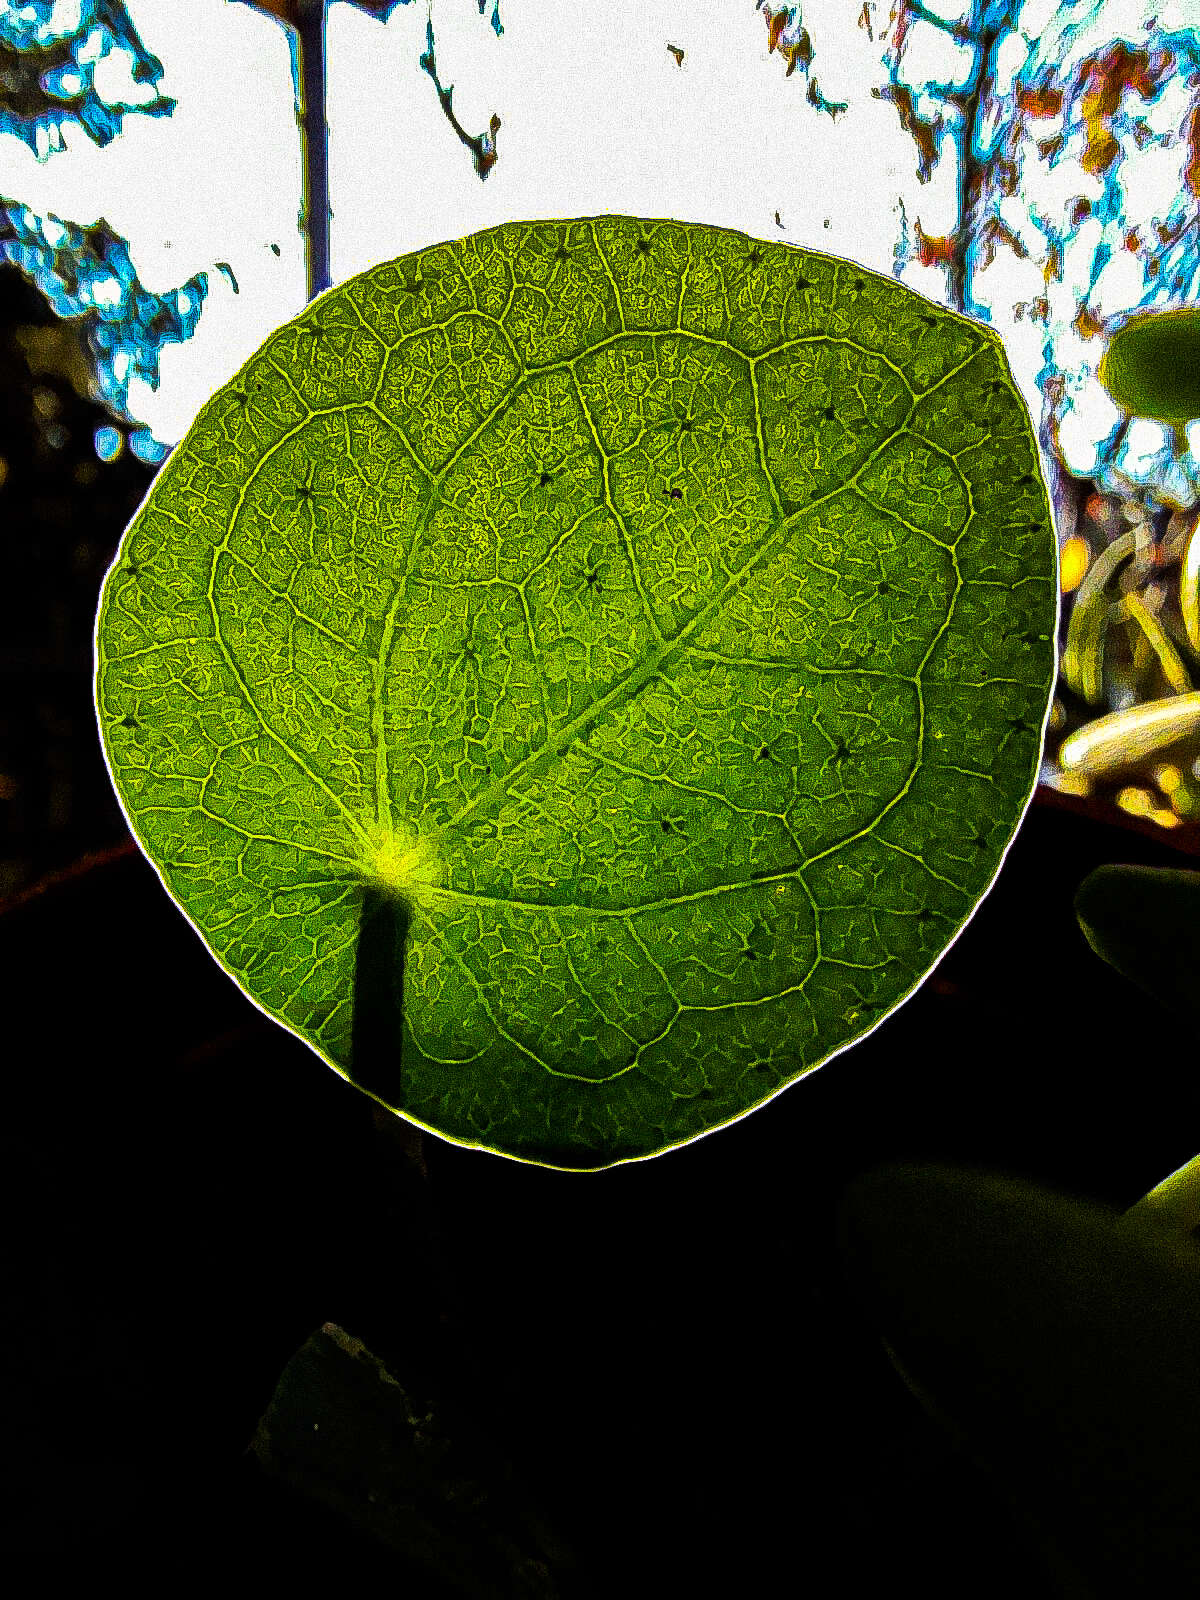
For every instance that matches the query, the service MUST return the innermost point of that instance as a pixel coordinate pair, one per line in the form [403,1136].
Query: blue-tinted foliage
[49,51]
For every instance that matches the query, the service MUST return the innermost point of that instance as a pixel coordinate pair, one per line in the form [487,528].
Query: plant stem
[314,132]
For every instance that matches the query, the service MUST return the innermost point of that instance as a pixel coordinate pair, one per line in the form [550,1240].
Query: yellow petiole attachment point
[402,862]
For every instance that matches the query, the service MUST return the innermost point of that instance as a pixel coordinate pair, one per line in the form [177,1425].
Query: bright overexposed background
[597,115]
[800,122]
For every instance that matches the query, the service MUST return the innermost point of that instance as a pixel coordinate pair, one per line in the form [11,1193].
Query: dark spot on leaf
[790,507]
[592,579]
[930,322]
[666,826]
[803,283]
[830,412]
[676,494]
[274,249]
[240,396]
[643,246]
[561,253]
[415,286]
[685,424]
[755,257]
[488,770]
[883,588]
[129,722]
[764,753]
[979,842]
[924,915]
[1026,477]
[859,283]
[544,480]
[748,954]
[841,751]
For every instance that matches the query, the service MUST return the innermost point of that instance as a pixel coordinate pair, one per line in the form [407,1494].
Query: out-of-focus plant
[1126,603]
[49,55]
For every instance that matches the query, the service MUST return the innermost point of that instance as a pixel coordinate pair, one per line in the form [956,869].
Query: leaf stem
[309,69]
[376,1038]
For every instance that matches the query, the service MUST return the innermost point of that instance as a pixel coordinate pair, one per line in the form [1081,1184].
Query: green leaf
[666,617]
[1152,365]
[1145,922]
[1056,1342]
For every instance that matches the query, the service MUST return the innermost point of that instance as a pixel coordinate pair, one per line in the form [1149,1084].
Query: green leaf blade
[667,616]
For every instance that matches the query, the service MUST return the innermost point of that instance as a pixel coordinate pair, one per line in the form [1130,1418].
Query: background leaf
[665,615]
[1145,922]
[1057,1344]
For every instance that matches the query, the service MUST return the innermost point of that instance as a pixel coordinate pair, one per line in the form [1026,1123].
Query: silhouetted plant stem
[377,1065]
[376,1039]
[314,134]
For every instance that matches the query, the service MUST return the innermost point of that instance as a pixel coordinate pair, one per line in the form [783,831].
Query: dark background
[666,1350]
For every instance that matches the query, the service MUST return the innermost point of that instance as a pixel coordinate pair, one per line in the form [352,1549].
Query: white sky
[596,116]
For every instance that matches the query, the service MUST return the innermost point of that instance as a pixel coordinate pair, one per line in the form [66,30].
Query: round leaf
[1152,365]
[665,617]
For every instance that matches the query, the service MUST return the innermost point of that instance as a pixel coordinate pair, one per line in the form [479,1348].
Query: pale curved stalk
[1156,637]
[1189,588]
[1083,652]
[1126,738]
